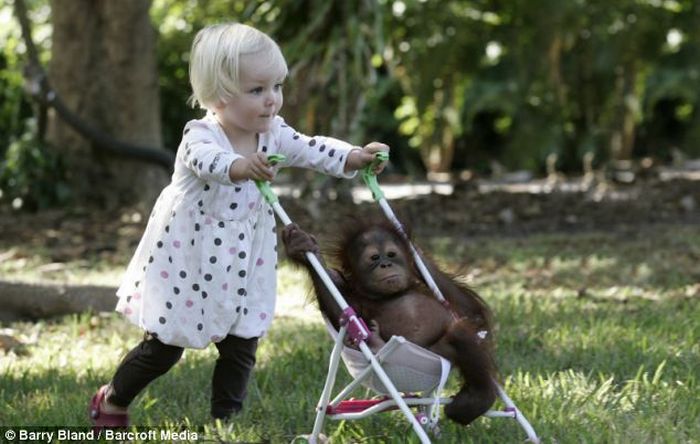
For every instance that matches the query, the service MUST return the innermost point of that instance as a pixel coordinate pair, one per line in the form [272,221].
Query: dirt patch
[473,209]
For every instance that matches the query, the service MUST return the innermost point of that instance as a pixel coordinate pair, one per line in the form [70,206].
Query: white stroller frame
[370,370]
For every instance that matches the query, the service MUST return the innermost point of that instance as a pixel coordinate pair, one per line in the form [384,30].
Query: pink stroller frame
[399,366]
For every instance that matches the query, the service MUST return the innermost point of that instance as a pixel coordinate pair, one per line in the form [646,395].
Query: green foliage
[32,175]
[450,84]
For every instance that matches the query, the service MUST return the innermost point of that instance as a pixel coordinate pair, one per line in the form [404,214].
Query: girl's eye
[278,87]
[257,90]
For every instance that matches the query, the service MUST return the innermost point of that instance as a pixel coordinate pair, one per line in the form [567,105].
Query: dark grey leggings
[151,359]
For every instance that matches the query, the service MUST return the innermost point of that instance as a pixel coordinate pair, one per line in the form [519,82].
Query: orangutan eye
[391,254]
[375,257]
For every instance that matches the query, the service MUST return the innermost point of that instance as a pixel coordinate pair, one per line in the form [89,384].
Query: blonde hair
[215,60]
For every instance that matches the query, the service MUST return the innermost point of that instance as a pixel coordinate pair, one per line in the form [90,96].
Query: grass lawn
[598,341]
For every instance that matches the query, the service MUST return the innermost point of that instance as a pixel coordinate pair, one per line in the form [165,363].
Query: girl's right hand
[254,166]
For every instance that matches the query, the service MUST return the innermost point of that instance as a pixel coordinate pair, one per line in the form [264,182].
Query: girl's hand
[358,159]
[254,166]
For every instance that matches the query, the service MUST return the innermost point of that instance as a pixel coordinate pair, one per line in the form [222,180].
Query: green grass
[598,341]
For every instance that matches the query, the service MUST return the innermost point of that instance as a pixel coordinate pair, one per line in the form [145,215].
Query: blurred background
[547,152]
[459,89]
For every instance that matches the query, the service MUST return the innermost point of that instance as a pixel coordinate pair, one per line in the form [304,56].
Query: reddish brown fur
[412,311]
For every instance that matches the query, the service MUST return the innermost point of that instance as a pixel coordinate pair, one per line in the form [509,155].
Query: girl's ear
[219,105]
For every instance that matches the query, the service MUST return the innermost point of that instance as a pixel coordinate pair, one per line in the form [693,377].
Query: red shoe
[102,420]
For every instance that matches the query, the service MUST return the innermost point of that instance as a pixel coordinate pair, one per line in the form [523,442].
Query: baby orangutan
[378,278]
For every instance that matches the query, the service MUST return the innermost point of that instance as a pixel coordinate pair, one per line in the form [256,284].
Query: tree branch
[37,86]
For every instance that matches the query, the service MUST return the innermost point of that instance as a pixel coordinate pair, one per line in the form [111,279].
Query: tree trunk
[103,65]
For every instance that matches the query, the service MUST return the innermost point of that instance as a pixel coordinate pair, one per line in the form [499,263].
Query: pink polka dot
[263,316]
[176,244]
[189,303]
[136,295]
[251,205]
[233,250]
[224,287]
[207,221]
[127,311]
[259,262]
[191,213]
[164,274]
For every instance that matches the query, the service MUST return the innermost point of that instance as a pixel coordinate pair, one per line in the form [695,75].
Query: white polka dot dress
[206,264]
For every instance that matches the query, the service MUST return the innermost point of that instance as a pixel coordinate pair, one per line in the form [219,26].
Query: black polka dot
[217,241]
[341,158]
[212,259]
[233,206]
[241,291]
[204,295]
[238,309]
[183,274]
[237,189]
[207,277]
[228,268]
[195,287]
[245,311]
[322,148]
[241,236]
[241,255]
[170,259]
[169,305]
[295,136]
[176,290]
[150,259]
[161,320]
[264,149]
[159,244]
[167,228]
[241,273]
[136,284]
[222,224]
[202,312]
[331,153]
[312,142]
[187,130]
[200,203]
[128,299]
[201,164]
[192,242]
[155,335]
[274,229]
[206,187]
[200,327]
[196,227]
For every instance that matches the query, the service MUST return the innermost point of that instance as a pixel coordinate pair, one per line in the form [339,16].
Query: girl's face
[253,110]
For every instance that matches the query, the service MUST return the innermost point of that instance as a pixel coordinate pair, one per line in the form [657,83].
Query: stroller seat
[410,367]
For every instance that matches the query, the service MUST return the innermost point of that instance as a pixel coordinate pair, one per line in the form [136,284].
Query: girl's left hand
[361,158]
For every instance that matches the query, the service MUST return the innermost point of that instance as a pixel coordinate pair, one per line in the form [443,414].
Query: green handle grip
[264,186]
[370,178]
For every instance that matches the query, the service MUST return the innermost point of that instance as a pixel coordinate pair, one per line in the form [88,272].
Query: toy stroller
[398,367]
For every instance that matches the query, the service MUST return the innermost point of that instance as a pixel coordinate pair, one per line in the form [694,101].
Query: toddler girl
[204,270]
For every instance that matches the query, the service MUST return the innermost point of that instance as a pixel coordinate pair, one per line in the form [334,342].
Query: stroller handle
[370,178]
[264,186]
